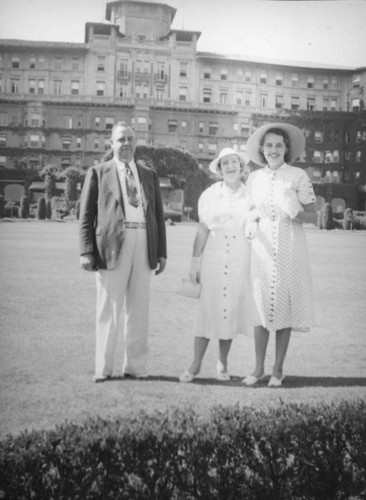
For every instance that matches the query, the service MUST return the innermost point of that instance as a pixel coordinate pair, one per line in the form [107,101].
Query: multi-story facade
[58,101]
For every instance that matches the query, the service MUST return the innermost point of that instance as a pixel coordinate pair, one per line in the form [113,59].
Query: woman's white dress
[224,307]
[280,265]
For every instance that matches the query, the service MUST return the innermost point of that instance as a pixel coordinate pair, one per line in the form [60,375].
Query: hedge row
[288,452]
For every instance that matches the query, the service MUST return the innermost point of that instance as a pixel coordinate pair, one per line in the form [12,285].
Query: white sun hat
[297,142]
[214,165]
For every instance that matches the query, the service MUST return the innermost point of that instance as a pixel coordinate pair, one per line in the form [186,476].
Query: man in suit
[122,239]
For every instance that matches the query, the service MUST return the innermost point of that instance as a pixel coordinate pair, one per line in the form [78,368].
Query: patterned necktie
[131,188]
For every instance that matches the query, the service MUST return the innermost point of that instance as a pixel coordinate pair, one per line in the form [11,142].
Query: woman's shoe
[187,377]
[222,374]
[252,380]
[275,382]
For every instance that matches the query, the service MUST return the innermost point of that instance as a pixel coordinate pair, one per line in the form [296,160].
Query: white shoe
[222,374]
[187,377]
[275,382]
[252,380]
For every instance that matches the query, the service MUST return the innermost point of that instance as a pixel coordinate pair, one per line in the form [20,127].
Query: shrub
[2,207]
[326,215]
[24,207]
[290,452]
[48,209]
[41,208]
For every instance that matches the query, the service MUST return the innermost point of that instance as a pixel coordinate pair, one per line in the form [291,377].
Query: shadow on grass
[290,382]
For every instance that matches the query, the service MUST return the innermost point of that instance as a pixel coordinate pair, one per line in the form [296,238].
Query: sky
[326,32]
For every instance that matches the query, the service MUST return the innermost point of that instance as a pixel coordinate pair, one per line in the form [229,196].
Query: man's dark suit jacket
[102,215]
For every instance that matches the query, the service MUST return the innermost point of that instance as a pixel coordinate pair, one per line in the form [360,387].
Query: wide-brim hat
[297,142]
[214,165]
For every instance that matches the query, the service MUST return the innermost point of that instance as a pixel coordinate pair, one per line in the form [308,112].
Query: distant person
[282,199]
[122,238]
[220,262]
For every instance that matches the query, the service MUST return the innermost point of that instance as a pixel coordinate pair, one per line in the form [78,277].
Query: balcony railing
[160,78]
[124,75]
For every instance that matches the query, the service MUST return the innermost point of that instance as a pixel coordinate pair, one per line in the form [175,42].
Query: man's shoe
[187,377]
[222,374]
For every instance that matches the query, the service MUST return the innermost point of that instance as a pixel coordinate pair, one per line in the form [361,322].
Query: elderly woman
[282,199]
[220,262]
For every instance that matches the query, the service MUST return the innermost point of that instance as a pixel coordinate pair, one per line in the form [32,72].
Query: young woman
[220,262]
[282,199]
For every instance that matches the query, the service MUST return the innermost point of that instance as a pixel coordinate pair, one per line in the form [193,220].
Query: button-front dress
[280,265]
[224,307]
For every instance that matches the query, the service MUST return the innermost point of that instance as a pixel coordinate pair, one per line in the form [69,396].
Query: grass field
[47,334]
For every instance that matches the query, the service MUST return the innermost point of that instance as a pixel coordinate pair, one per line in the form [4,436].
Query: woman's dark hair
[286,140]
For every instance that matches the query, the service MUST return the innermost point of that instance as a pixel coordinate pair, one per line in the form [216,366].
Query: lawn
[47,334]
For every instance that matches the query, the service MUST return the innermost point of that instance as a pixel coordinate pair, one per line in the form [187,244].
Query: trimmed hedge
[293,452]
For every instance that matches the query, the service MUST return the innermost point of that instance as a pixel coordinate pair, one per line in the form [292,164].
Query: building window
[240,73]
[15,62]
[207,95]
[182,93]
[213,128]
[2,140]
[78,143]
[207,73]
[107,144]
[32,62]
[279,102]
[356,80]
[361,135]
[310,103]
[97,122]
[325,103]
[310,83]
[212,148]
[263,100]
[161,70]
[355,104]
[141,91]
[201,127]
[32,86]
[326,83]
[248,75]
[263,77]
[40,86]
[183,69]
[223,74]
[244,129]
[184,126]
[100,64]
[100,88]
[279,79]
[183,145]
[248,99]
[66,142]
[3,118]
[109,123]
[318,136]
[75,87]
[14,86]
[65,162]
[68,121]
[79,121]
[295,102]
[34,140]
[333,104]
[334,82]
[223,96]
[295,80]
[57,87]
[2,160]
[123,66]
[41,61]
[172,125]
[239,97]
[96,143]
[358,156]
[35,119]
[159,93]
[75,62]
[58,62]
[317,156]
[200,147]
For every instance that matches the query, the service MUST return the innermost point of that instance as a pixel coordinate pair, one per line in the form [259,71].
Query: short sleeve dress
[280,266]
[224,307]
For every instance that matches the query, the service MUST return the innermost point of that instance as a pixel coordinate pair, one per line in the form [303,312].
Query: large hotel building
[58,101]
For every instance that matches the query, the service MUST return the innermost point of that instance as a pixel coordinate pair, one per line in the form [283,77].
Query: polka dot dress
[280,266]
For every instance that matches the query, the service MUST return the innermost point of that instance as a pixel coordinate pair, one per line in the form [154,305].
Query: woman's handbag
[188,288]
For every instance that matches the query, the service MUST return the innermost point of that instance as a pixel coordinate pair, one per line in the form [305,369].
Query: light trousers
[124,289]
